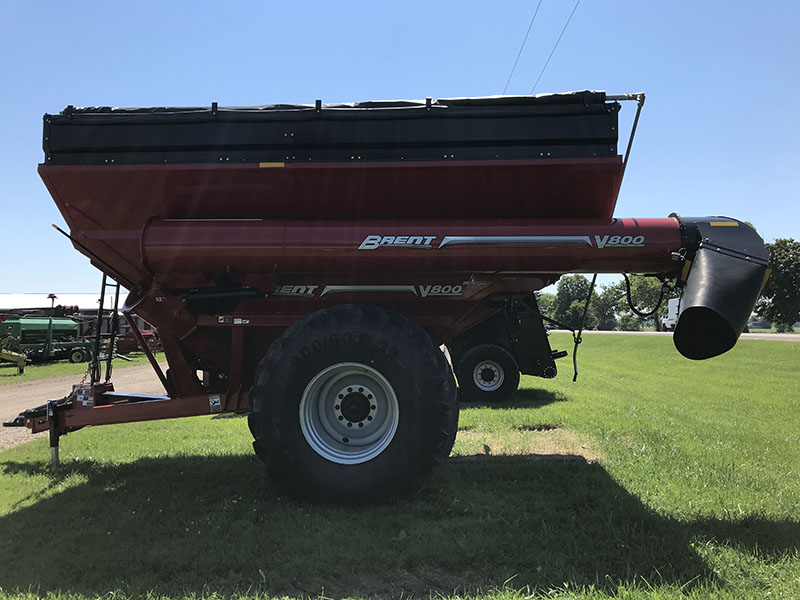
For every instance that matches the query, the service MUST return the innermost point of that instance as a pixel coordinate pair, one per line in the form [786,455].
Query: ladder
[95,368]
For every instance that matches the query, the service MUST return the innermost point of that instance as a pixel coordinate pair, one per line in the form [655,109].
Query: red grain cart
[304,263]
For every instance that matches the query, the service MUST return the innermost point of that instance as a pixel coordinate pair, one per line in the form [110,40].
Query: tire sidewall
[472,358]
[397,358]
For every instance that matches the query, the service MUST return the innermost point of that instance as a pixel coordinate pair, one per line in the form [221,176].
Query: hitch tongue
[729,267]
[18,421]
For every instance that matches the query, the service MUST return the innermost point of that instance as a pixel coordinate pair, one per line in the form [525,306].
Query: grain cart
[303,263]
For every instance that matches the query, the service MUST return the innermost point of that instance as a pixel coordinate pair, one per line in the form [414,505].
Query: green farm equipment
[45,338]
[9,352]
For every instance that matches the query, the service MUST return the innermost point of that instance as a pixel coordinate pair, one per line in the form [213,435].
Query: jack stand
[52,421]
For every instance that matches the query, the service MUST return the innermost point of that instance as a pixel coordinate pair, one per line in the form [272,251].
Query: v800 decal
[627,241]
[440,290]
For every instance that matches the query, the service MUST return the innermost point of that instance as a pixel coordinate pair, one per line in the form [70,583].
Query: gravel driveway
[16,397]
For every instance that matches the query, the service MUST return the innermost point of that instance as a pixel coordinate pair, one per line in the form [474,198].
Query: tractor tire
[353,404]
[78,355]
[487,373]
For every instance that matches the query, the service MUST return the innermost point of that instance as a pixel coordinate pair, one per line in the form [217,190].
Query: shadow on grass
[214,524]
[524,398]
[535,398]
[224,416]
[9,370]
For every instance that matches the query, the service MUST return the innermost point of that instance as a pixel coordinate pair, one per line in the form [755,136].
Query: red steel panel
[532,247]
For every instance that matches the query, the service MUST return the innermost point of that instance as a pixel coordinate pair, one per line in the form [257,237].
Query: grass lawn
[8,371]
[682,480]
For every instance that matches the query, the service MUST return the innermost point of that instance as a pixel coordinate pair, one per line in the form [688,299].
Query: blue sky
[719,134]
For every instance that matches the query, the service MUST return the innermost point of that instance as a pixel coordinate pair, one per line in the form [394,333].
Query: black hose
[577,337]
[639,313]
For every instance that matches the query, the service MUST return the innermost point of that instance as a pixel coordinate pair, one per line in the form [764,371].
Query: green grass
[697,495]
[8,371]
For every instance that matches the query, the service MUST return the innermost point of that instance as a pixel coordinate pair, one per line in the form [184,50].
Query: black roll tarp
[570,125]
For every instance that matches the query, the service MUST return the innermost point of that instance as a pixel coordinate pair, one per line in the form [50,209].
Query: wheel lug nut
[369,396]
[341,396]
[349,424]
[349,389]
[360,424]
[336,407]
[341,418]
[361,389]
[369,418]
[373,407]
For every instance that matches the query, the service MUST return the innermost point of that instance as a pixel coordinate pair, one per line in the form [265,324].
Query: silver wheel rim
[488,375]
[349,413]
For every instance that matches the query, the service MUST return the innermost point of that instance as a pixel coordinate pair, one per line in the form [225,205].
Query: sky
[718,135]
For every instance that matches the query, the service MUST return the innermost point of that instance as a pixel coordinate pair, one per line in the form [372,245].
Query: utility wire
[510,75]
[555,46]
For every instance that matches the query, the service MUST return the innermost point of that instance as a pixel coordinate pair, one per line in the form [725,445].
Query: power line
[555,46]
[510,75]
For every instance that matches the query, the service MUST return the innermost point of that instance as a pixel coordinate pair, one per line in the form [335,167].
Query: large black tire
[487,373]
[353,404]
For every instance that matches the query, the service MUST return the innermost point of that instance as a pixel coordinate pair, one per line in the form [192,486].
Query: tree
[629,322]
[606,305]
[571,293]
[780,298]
[645,294]
[546,302]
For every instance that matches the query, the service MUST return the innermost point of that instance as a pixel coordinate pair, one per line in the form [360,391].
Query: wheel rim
[349,413]
[77,356]
[488,375]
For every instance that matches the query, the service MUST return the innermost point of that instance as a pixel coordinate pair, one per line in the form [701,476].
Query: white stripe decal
[515,239]
[345,289]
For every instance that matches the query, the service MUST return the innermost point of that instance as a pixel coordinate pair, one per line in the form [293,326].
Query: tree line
[609,308]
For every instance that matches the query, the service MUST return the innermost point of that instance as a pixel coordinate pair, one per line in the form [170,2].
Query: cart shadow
[523,398]
[203,525]
[535,398]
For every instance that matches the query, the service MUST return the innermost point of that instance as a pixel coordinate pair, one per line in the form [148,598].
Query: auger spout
[727,268]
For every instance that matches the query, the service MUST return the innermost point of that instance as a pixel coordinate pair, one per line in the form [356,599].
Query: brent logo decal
[371,242]
[602,241]
[306,291]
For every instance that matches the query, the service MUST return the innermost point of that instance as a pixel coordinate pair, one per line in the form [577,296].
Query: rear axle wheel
[487,373]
